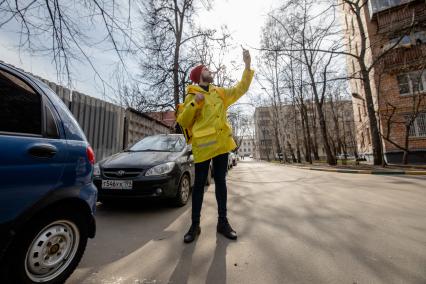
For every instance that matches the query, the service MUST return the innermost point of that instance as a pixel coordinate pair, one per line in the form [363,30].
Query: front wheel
[50,250]
[183,192]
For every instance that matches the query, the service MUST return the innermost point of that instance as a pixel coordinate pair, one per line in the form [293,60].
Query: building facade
[396,42]
[264,140]
[247,147]
[279,134]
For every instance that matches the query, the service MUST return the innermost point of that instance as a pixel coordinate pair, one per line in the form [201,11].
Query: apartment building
[247,146]
[264,138]
[282,130]
[396,39]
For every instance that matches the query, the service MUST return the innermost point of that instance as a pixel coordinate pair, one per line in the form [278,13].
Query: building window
[359,113]
[400,41]
[353,27]
[380,5]
[350,45]
[368,136]
[418,129]
[410,83]
[365,108]
[20,106]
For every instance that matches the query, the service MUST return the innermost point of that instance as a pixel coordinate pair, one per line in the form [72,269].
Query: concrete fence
[108,127]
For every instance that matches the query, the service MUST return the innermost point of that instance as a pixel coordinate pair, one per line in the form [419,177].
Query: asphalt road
[294,226]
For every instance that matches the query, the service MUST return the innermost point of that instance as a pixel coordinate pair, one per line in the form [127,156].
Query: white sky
[243,18]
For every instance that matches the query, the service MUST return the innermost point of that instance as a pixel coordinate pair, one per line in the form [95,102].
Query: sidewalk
[363,169]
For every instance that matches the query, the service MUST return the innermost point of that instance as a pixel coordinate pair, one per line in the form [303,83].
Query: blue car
[47,197]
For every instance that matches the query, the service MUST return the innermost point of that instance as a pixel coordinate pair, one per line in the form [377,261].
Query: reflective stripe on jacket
[211,132]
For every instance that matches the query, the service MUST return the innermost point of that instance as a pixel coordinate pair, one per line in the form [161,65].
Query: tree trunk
[299,159]
[331,160]
[374,128]
[406,141]
[293,158]
[305,138]
[179,18]
[315,140]
[314,134]
[308,132]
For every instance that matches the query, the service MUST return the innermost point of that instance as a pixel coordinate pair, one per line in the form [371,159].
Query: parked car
[342,157]
[47,198]
[159,166]
[230,163]
[234,158]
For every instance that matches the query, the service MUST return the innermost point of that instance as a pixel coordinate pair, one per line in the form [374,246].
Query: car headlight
[160,169]
[96,170]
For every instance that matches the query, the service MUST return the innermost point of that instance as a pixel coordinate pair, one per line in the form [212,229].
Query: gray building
[247,147]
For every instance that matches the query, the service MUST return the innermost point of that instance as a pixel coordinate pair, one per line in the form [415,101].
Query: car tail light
[90,155]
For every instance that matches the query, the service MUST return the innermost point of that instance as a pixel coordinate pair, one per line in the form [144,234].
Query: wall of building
[382,30]
[291,130]
[247,147]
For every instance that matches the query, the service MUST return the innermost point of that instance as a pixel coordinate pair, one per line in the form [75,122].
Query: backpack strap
[221,93]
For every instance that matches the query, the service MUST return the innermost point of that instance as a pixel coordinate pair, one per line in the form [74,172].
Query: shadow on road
[217,270]
[183,268]
[124,227]
[324,218]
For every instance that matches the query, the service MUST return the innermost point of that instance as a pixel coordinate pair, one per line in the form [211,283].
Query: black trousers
[220,166]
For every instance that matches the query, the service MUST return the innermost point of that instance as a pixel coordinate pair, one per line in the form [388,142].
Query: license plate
[117,184]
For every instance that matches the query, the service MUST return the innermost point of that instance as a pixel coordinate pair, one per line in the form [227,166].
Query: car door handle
[43,151]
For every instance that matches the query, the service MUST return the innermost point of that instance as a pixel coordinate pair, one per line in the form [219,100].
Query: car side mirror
[189,149]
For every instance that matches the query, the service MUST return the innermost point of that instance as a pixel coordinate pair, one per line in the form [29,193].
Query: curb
[371,172]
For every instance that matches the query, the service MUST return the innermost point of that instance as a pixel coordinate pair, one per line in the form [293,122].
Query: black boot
[225,229]
[193,232]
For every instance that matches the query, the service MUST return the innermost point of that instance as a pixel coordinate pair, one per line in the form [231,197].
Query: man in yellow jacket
[204,112]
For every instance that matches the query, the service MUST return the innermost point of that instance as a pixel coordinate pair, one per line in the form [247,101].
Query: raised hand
[246,57]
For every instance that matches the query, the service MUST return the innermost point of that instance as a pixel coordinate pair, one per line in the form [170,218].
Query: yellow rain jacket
[211,132]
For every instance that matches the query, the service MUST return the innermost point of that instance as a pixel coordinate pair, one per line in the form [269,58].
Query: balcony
[405,58]
[399,19]
[376,6]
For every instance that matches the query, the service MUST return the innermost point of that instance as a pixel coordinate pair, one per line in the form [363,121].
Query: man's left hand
[247,58]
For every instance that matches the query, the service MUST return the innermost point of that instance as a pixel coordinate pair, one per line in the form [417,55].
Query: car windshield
[161,143]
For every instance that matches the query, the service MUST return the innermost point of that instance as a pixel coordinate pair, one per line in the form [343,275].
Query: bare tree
[310,33]
[313,48]
[68,31]
[169,32]
[271,72]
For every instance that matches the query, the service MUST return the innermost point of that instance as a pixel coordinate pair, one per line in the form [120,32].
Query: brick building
[396,38]
[166,117]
